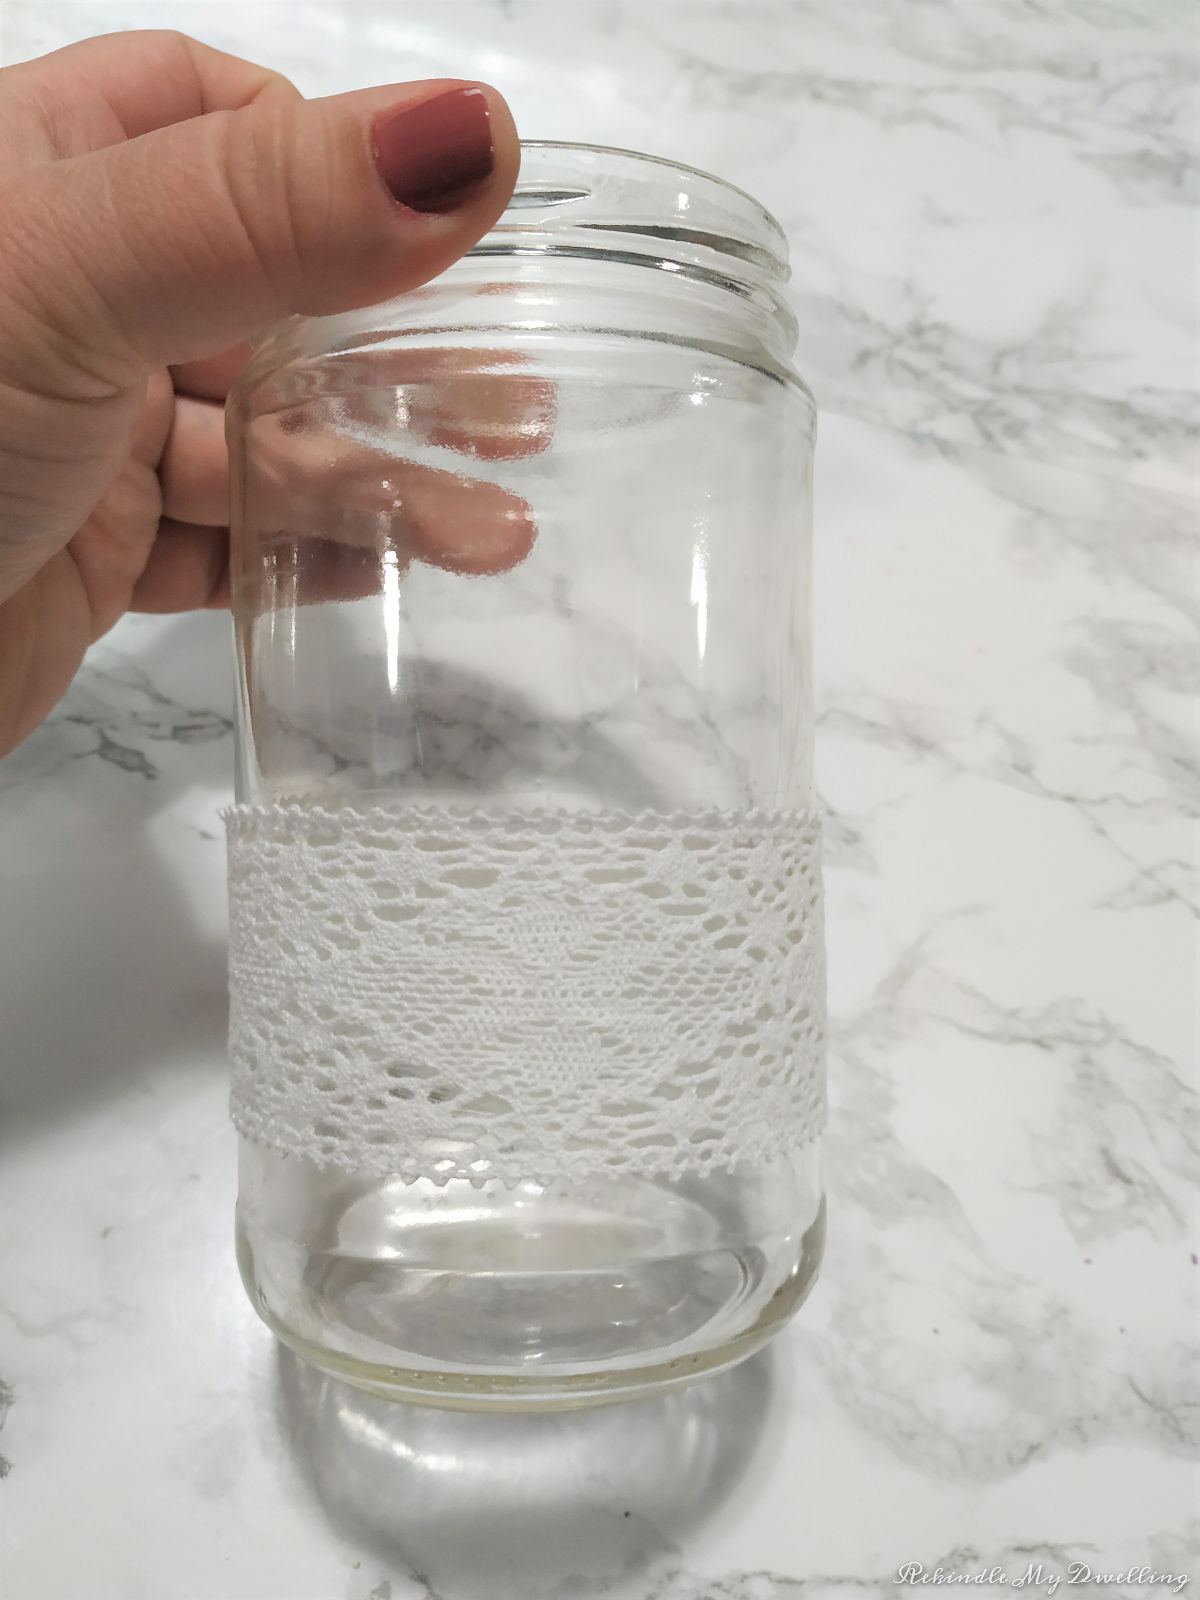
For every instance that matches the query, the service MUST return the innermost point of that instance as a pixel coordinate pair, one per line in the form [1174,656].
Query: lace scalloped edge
[243,812]
[409,1172]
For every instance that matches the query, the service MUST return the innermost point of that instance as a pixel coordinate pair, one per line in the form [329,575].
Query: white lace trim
[533,996]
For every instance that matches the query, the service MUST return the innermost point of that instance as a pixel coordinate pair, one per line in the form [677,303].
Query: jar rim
[578,203]
[664,164]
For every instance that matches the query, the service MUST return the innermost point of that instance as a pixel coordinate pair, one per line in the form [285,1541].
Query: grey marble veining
[993,251]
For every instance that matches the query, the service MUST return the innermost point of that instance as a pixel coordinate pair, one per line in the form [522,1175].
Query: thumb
[180,242]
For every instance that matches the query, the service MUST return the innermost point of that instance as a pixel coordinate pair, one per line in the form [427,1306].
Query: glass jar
[532,541]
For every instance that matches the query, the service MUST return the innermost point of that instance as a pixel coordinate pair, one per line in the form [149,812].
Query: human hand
[159,202]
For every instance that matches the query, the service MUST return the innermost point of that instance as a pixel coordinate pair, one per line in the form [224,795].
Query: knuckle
[255,164]
[171,42]
[49,305]
[297,190]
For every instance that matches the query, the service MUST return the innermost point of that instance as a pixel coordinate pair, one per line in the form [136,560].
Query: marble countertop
[994,257]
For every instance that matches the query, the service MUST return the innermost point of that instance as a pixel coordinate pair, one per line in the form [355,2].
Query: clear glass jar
[535,536]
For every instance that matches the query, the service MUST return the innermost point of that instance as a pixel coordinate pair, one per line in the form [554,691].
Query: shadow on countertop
[106,974]
[525,1507]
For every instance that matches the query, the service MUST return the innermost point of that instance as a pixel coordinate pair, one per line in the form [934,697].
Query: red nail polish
[432,155]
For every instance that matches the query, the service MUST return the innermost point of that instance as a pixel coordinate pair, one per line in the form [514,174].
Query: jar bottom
[529,1297]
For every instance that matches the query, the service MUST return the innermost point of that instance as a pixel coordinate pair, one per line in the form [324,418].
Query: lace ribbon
[529,996]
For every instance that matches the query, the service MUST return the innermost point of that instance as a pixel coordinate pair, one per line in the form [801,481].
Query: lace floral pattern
[529,996]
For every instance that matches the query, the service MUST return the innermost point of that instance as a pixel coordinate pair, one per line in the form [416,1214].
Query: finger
[461,524]
[194,468]
[490,419]
[486,407]
[488,404]
[176,245]
[186,570]
[281,572]
[479,405]
[154,428]
[311,482]
[98,92]
[449,521]
[455,523]
[212,377]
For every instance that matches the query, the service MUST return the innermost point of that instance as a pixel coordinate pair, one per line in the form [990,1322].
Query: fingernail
[432,155]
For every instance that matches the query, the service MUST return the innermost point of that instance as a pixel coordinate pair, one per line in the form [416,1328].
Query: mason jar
[526,950]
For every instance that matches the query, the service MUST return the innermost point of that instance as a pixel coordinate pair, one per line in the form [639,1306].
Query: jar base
[442,1369]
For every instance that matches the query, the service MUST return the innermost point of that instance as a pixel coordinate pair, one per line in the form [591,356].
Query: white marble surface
[994,273]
